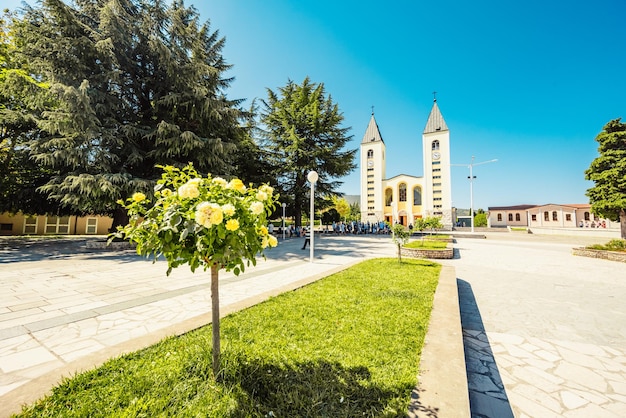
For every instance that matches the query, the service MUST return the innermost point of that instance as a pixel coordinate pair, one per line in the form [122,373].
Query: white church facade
[405,198]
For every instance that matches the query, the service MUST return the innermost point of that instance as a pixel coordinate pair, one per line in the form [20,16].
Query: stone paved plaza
[544,331]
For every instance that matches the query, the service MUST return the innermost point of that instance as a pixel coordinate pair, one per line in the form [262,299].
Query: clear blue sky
[530,83]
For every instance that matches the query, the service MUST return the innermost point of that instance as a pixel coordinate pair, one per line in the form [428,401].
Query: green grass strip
[427,244]
[345,346]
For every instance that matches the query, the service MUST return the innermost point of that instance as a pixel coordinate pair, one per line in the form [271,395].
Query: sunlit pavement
[544,331]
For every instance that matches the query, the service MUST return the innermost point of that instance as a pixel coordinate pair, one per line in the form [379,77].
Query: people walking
[307,237]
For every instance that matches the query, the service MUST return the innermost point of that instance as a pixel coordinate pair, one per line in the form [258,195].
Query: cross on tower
[435,96]
[372,110]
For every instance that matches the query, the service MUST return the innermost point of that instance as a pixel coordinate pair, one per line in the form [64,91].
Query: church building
[405,198]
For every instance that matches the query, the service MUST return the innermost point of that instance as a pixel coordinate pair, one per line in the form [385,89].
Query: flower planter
[603,254]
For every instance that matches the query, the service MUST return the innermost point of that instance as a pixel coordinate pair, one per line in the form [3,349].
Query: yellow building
[20,224]
[405,198]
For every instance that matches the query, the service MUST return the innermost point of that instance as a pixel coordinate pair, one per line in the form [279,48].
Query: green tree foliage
[303,132]
[22,99]
[480,219]
[137,84]
[342,207]
[608,172]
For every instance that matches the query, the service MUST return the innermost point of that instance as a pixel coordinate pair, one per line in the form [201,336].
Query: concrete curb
[442,390]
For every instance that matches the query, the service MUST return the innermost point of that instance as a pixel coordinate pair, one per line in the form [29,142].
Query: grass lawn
[345,346]
[427,244]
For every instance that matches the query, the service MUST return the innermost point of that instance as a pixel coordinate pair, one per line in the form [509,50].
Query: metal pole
[471,196]
[311,232]
[284,204]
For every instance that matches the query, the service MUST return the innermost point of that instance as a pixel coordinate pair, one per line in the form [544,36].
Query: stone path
[544,331]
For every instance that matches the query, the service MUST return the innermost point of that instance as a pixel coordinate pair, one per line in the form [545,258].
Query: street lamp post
[284,206]
[312,177]
[471,179]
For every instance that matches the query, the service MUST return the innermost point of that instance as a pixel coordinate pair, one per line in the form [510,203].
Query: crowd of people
[338,228]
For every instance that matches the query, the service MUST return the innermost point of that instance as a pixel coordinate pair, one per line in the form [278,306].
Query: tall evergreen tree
[608,172]
[138,84]
[22,99]
[304,133]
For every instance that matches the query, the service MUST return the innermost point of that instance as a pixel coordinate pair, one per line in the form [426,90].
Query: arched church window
[402,192]
[499,217]
[417,195]
[370,153]
[517,217]
[586,216]
[435,144]
[546,216]
[554,216]
[510,217]
[388,197]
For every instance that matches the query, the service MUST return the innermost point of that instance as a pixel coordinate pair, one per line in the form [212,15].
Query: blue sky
[530,83]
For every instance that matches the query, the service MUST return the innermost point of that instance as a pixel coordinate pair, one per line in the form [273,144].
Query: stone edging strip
[603,254]
[442,390]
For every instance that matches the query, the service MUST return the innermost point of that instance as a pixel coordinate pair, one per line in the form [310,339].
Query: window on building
[586,216]
[57,225]
[518,217]
[388,197]
[370,153]
[546,216]
[568,216]
[533,217]
[417,195]
[6,227]
[92,226]
[554,216]
[435,144]
[30,225]
[510,217]
[499,217]
[402,192]
[436,163]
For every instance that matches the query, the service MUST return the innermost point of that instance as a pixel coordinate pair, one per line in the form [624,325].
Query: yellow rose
[228,209]
[138,197]
[267,189]
[166,192]
[272,241]
[220,181]
[256,208]
[217,216]
[232,224]
[264,242]
[189,191]
[260,195]
[263,230]
[237,184]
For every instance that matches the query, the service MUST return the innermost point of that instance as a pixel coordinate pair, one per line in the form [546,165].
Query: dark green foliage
[608,172]
[137,83]
[304,133]
[613,245]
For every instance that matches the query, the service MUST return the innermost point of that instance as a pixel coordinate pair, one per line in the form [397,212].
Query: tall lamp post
[312,177]
[284,206]
[471,179]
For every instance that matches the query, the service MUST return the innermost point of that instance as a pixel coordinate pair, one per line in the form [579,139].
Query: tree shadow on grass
[487,393]
[311,389]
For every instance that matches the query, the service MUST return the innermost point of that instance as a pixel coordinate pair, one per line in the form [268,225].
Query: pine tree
[608,172]
[138,84]
[304,133]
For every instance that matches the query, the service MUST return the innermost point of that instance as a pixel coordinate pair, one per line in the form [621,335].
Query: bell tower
[372,173]
[437,179]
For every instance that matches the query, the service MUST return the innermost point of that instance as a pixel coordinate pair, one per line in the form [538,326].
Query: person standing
[307,237]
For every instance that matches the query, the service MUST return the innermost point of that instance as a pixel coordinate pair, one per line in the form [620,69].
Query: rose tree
[204,222]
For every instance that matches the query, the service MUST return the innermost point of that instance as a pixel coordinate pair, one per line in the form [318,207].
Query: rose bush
[201,221]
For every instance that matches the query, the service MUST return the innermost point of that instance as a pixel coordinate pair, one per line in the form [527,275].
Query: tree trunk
[399,253]
[120,218]
[622,222]
[215,320]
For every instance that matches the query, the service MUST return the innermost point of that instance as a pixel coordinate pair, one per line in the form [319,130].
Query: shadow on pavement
[486,391]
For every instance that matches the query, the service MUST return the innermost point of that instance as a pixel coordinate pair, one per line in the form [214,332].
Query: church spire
[435,120]
[372,133]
